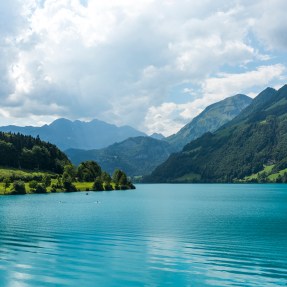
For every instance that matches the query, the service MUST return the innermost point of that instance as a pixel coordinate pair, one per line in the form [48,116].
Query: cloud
[229,84]
[122,60]
[168,118]
[271,25]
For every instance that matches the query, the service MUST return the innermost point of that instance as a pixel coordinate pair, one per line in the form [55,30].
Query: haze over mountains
[77,134]
[253,144]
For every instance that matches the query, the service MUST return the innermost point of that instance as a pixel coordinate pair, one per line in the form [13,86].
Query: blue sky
[150,64]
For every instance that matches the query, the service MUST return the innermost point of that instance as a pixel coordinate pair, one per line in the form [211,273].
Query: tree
[18,187]
[123,179]
[33,184]
[71,170]
[108,186]
[40,188]
[279,179]
[98,185]
[117,176]
[59,182]
[105,177]
[47,180]
[7,183]
[88,171]
[68,185]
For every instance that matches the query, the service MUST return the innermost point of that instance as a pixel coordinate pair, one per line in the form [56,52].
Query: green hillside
[213,117]
[137,156]
[29,165]
[239,151]
[25,152]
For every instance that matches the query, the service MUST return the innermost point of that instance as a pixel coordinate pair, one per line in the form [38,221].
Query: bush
[117,187]
[18,187]
[40,188]
[47,180]
[33,184]
[53,188]
[98,185]
[108,186]
[69,186]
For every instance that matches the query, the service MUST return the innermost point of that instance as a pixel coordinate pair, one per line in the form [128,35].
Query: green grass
[267,169]
[27,176]
[24,175]
[188,178]
[17,173]
[83,186]
[274,176]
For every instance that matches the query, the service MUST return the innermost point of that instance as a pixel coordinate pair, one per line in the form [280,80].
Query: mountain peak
[78,134]
[157,136]
[283,90]
[239,150]
[212,118]
[60,121]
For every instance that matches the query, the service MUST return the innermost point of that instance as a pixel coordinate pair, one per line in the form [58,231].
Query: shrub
[98,185]
[18,187]
[108,186]
[69,186]
[40,188]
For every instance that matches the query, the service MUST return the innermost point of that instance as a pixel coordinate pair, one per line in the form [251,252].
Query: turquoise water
[157,235]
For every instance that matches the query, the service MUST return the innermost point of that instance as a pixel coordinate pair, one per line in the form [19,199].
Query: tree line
[86,173]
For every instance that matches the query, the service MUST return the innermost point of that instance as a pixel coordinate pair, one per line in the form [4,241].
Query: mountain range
[77,134]
[139,156]
[136,156]
[251,147]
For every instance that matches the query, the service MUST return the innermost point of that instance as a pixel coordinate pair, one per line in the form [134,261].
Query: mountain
[137,156]
[157,136]
[77,134]
[252,146]
[20,151]
[213,117]
[151,152]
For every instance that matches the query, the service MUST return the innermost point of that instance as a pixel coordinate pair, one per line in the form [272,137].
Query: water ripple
[178,235]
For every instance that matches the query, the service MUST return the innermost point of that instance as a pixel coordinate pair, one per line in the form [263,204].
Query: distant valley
[137,156]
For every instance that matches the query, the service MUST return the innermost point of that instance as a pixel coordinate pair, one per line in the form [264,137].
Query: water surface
[158,235]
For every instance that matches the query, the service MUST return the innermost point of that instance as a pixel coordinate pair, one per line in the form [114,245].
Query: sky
[150,64]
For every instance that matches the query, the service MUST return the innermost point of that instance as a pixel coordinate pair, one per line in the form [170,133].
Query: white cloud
[168,118]
[271,26]
[164,119]
[229,84]
[119,60]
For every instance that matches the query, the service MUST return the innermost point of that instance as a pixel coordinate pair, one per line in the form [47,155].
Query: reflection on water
[158,235]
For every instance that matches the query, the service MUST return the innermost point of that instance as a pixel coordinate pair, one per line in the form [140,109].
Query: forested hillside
[137,156]
[26,152]
[253,147]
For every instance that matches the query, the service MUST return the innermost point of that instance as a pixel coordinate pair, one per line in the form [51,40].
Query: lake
[157,235]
